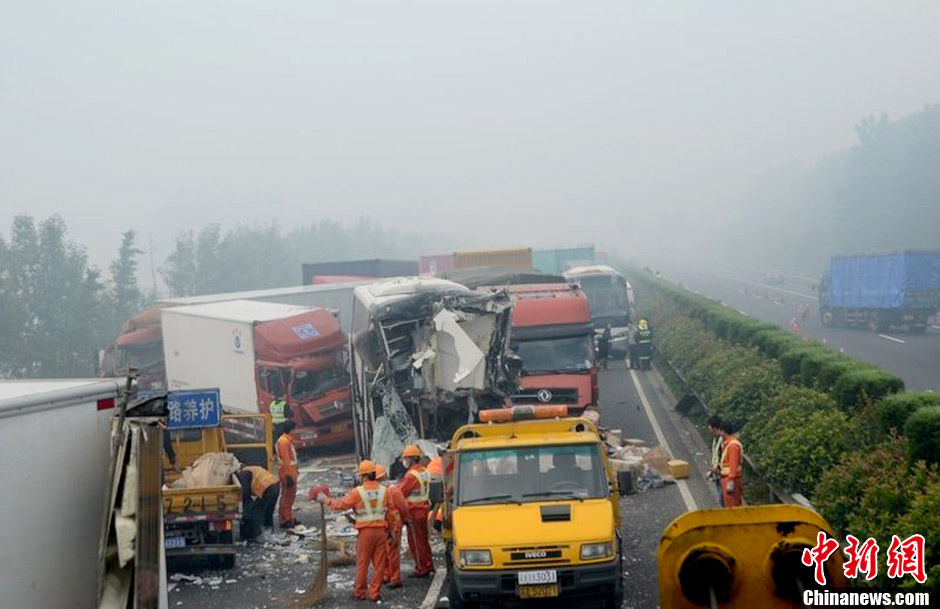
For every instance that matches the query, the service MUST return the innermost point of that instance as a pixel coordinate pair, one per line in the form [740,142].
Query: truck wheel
[453,597]
[827,318]
[874,324]
[222,562]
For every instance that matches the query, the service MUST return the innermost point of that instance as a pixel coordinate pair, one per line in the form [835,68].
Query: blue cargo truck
[881,290]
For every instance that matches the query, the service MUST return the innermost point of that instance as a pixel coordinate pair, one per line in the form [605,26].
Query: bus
[611,298]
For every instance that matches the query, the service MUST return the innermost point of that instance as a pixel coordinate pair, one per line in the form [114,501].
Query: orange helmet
[411,451]
[380,472]
[366,467]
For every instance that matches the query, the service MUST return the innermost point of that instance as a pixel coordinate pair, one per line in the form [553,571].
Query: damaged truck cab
[427,354]
[531,511]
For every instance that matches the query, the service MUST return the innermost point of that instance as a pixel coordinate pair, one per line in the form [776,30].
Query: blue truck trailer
[557,261]
[881,290]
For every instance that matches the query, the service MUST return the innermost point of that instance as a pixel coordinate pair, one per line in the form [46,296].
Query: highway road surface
[913,357]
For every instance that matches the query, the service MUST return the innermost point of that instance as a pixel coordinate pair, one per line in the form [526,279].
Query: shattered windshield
[567,354]
[530,473]
[606,293]
[309,384]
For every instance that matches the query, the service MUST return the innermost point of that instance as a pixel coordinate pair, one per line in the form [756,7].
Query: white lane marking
[935,326]
[897,340]
[769,287]
[682,484]
[435,589]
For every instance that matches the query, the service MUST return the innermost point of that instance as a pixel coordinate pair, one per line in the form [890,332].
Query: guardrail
[776,492]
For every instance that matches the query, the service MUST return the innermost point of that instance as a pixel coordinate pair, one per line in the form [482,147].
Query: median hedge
[893,411]
[923,430]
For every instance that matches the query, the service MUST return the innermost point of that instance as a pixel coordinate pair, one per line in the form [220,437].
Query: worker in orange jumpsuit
[415,485]
[398,515]
[287,474]
[370,500]
[731,458]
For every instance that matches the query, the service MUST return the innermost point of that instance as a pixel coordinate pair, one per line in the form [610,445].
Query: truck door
[248,437]
[271,384]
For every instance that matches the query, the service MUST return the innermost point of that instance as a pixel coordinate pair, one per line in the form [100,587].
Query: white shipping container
[55,451]
[212,346]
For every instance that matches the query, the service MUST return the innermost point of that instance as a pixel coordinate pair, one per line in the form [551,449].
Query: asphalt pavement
[913,357]
[274,573]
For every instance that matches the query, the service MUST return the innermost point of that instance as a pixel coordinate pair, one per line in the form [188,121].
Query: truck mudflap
[594,580]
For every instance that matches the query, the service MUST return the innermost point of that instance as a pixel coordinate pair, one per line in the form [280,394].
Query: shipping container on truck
[256,351]
[881,290]
[553,335]
[556,261]
[55,449]
[518,257]
[372,268]
[611,298]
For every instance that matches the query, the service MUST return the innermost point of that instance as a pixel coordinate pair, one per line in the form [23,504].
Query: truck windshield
[308,384]
[530,473]
[606,293]
[567,354]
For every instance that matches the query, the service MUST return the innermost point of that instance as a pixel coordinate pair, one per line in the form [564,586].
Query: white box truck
[256,351]
[55,449]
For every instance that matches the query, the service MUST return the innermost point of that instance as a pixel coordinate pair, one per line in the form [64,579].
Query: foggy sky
[493,123]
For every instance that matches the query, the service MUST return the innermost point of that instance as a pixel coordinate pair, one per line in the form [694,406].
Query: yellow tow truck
[204,521]
[531,511]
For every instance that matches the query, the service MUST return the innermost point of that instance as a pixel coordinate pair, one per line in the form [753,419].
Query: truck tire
[222,562]
[827,318]
[455,602]
[875,324]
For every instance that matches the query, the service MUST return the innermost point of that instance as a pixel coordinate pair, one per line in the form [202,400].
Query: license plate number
[531,578]
[541,591]
[175,542]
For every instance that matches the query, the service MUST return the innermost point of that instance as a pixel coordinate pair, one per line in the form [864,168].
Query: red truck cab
[304,358]
[553,334]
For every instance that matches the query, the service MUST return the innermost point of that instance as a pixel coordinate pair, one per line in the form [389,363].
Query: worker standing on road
[287,473]
[415,485]
[398,516]
[731,457]
[260,490]
[714,472]
[370,500]
[643,344]
[280,413]
[603,347]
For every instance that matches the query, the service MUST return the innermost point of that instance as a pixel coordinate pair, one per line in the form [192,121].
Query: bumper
[575,581]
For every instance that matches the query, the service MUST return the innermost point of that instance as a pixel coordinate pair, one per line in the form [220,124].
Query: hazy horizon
[532,123]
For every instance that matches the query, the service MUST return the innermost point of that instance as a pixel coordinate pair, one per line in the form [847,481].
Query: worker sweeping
[398,516]
[287,474]
[370,501]
[415,485]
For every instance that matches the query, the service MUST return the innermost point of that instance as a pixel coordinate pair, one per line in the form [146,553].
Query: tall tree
[179,270]
[125,290]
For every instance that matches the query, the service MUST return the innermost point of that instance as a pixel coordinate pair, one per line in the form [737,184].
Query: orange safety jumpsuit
[398,515]
[287,473]
[370,501]
[416,487]
[731,456]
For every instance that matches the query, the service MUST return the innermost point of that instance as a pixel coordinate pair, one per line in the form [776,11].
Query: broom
[316,592]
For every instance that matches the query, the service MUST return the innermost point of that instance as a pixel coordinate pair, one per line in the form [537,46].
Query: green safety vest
[277,411]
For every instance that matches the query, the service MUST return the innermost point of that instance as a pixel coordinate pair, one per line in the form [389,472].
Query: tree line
[57,310]
[881,194]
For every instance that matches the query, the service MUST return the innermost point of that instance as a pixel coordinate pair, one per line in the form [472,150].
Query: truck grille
[559,395]
[536,555]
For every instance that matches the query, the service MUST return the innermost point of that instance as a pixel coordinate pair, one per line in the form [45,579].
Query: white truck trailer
[55,450]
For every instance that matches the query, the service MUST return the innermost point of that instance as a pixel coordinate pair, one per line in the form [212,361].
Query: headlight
[475,558]
[592,551]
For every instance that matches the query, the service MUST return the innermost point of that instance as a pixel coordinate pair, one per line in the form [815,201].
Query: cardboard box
[678,468]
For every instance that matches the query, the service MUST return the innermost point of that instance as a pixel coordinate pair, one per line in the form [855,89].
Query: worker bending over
[260,490]
[287,473]
[415,485]
[732,455]
[398,516]
[370,500]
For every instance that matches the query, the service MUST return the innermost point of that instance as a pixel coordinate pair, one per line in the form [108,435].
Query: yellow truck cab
[531,511]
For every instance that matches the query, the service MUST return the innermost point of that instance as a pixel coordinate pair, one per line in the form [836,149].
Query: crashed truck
[426,355]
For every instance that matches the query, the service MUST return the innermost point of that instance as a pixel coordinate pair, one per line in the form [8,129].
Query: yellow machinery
[741,558]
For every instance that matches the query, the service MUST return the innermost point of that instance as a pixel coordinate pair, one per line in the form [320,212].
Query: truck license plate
[175,542]
[540,591]
[531,578]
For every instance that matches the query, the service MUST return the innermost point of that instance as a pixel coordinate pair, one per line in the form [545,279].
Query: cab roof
[546,439]
[567,430]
